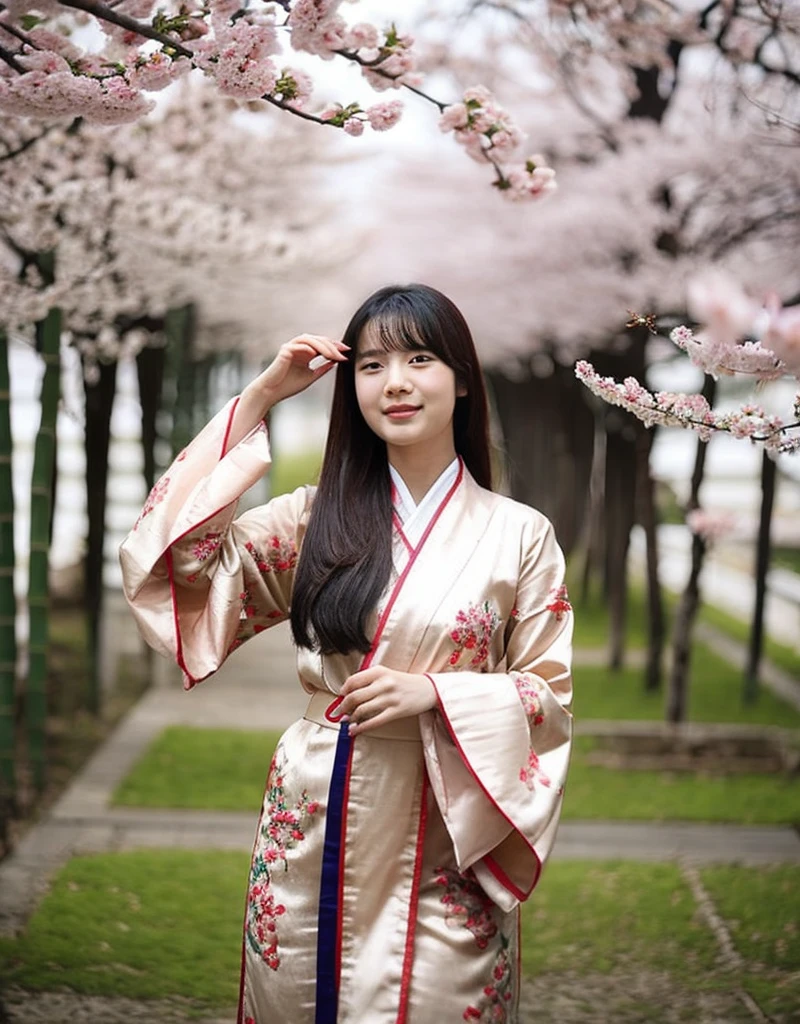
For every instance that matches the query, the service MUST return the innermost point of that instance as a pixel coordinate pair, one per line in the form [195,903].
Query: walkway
[257,689]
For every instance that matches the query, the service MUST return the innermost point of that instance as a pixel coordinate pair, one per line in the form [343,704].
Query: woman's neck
[420,470]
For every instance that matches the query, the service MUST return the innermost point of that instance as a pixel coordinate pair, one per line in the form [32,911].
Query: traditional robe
[388,868]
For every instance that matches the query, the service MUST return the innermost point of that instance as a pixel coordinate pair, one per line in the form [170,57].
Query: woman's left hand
[380,695]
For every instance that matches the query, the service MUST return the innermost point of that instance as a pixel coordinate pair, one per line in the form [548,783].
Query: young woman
[408,814]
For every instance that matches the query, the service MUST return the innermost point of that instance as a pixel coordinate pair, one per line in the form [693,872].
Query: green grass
[292,471]
[224,769]
[219,769]
[597,792]
[760,908]
[607,913]
[592,626]
[146,924]
[714,695]
[163,924]
[779,654]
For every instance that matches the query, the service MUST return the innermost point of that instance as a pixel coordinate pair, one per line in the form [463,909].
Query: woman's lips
[401,412]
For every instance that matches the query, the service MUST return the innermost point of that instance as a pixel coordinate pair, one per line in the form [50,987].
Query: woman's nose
[396,380]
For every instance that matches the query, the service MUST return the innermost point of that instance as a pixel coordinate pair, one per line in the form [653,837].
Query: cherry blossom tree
[593,74]
[47,70]
[128,223]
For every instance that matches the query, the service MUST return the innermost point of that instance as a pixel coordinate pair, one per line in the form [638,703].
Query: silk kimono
[388,868]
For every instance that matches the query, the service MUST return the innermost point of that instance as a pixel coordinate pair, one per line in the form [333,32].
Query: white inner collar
[415,518]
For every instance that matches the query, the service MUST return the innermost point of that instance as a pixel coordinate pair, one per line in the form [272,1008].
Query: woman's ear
[461,391]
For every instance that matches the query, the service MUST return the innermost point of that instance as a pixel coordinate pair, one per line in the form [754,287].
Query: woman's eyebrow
[371,353]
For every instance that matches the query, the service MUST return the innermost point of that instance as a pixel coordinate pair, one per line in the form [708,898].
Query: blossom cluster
[711,526]
[692,411]
[143,218]
[487,132]
[729,317]
[45,74]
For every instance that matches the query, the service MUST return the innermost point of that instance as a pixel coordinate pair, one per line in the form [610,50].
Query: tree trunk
[648,516]
[620,493]
[150,370]
[594,529]
[763,551]
[99,403]
[179,328]
[677,695]
[548,430]
[48,337]
[8,602]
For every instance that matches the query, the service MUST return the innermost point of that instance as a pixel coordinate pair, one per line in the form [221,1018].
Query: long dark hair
[346,557]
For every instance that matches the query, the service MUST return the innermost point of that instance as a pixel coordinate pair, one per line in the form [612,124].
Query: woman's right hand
[288,374]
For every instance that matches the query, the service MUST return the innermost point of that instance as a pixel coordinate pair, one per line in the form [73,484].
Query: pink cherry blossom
[711,526]
[383,116]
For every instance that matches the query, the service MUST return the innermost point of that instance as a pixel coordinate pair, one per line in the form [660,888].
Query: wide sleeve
[497,746]
[199,580]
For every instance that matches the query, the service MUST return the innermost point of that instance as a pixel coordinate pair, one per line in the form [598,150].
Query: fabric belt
[323,703]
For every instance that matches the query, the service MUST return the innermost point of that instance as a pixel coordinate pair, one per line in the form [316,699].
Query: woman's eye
[370,366]
[421,357]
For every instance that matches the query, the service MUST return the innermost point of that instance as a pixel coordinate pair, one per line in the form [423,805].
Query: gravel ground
[642,997]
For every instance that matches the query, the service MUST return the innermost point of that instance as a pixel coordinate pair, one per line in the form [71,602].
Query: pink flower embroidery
[155,497]
[531,773]
[280,555]
[282,830]
[494,1005]
[559,604]
[203,549]
[473,633]
[467,904]
[529,688]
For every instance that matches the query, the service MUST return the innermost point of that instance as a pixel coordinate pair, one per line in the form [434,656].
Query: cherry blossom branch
[11,60]
[105,13]
[692,412]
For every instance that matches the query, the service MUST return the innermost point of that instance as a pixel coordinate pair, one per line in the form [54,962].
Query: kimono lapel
[431,570]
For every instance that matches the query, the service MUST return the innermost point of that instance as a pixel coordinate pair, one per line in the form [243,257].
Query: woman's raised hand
[288,374]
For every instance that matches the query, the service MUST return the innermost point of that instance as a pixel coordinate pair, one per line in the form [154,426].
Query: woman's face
[407,397]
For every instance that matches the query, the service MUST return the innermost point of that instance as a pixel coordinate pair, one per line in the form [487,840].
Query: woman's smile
[401,412]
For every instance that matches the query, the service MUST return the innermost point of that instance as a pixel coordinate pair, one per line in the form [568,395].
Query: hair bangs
[394,330]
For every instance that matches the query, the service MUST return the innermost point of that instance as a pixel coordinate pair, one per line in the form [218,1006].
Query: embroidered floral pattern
[473,633]
[247,626]
[529,689]
[467,904]
[494,1005]
[559,605]
[281,830]
[280,555]
[155,497]
[531,773]
[203,549]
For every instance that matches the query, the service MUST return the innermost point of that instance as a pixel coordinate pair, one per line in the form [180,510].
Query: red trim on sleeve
[227,435]
[506,882]
[408,956]
[491,864]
